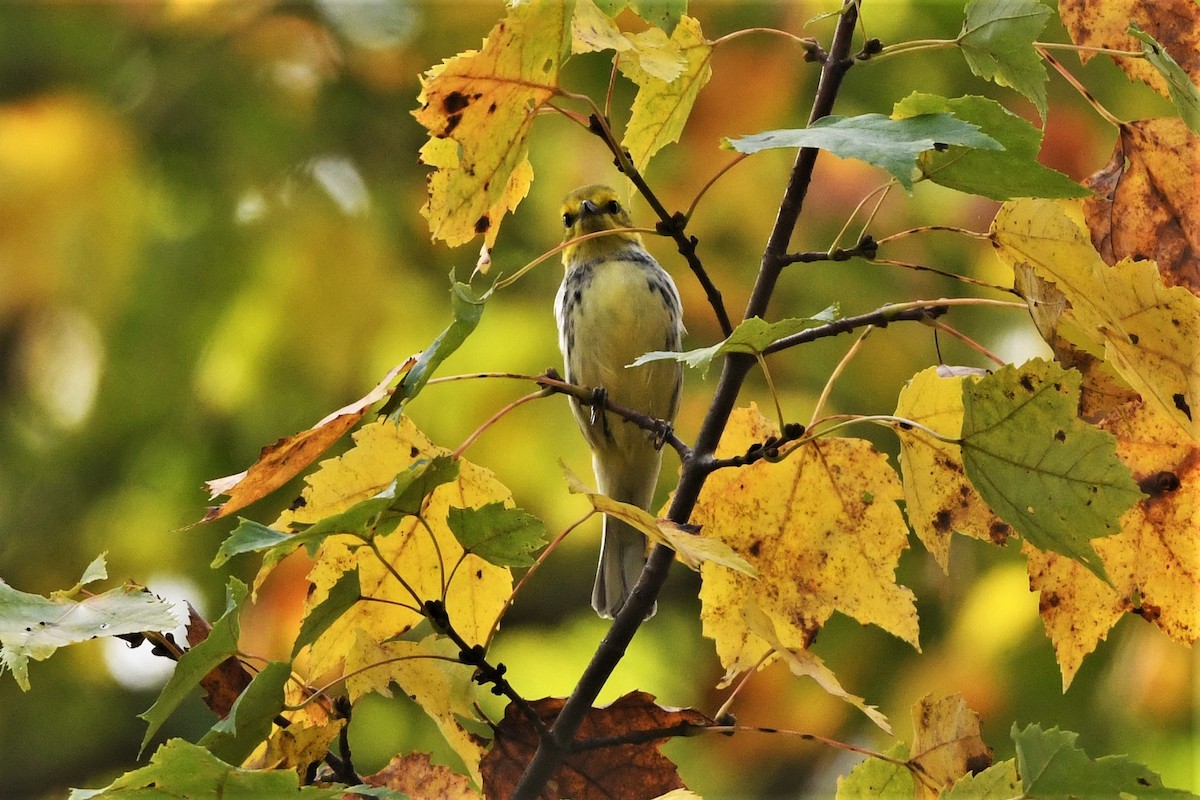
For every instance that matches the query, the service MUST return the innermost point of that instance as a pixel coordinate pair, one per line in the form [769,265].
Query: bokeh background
[210,238]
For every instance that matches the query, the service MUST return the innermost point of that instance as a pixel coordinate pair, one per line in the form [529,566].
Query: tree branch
[668,224]
[553,749]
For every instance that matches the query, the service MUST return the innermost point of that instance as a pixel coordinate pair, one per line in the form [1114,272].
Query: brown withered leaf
[280,462]
[1145,206]
[227,680]
[635,770]
[419,778]
[1175,24]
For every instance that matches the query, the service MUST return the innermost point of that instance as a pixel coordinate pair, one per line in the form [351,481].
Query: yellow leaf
[1153,563]
[297,746]
[428,672]
[822,529]
[1150,333]
[946,742]
[804,662]
[939,498]
[422,554]
[592,31]
[662,107]
[478,108]
[690,546]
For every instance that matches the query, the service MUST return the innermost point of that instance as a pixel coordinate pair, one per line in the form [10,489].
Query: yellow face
[590,209]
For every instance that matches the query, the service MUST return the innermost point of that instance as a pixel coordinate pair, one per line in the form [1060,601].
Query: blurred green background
[210,238]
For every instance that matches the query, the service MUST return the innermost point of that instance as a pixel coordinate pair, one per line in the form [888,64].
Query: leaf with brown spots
[419,778]
[629,765]
[939,498]
[1146,200]
[280,462]
[946,743]
[1148,332]
[1174,24]
[478,108]
[1153,563]
[823,530]
[422,551]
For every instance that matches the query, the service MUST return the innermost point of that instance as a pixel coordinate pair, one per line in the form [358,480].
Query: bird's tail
[622,557]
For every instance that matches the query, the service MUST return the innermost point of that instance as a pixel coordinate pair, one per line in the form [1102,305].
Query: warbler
[616,303]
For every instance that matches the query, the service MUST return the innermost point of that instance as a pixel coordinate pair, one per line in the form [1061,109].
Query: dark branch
[880,318]
[672,225]
[610,651]
[474,655]
[663,432]
[866,248]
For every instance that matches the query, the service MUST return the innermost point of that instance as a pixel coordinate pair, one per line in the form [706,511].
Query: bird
[615,304]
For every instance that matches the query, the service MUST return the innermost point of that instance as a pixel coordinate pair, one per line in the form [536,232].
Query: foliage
[1090,459]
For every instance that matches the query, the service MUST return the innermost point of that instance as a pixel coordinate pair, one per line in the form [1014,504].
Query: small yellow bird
[616,303]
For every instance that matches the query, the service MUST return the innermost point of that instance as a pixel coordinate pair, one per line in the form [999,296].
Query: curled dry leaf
[280,462]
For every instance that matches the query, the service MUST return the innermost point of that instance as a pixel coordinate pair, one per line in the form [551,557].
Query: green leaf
[249,721]
[418,482]
[1184,94]
[875,778]
[181,770]
[1055,479]
[891,144]
[32,626]
[997,41]
[996,174]
[342,596]
[468,310]
[753,336]
[376,515]
[197,662]
[501,536]
[997,782]
[664,14]
[1053,766]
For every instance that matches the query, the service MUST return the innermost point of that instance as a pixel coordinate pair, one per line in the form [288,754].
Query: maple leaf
[1149,333]
[661,107]
[823,531]
[420,779]
[632,766]
[422,551]
[1146,200]
[997,42]
[478,108]
[280,462]
[939,498]
[1105,24]
[1051,476]
[1152,563]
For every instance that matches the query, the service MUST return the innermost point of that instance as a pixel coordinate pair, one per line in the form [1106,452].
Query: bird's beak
[590,208]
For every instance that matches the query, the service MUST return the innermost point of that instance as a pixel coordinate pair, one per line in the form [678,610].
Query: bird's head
[590,209]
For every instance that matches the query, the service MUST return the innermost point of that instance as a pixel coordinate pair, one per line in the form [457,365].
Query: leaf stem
[914,46]
[1079,87]
[968,341]
[494,418]
[837,373]
[928,228]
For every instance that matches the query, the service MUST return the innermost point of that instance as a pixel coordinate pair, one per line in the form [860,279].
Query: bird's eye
[613,207]
[568,219]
